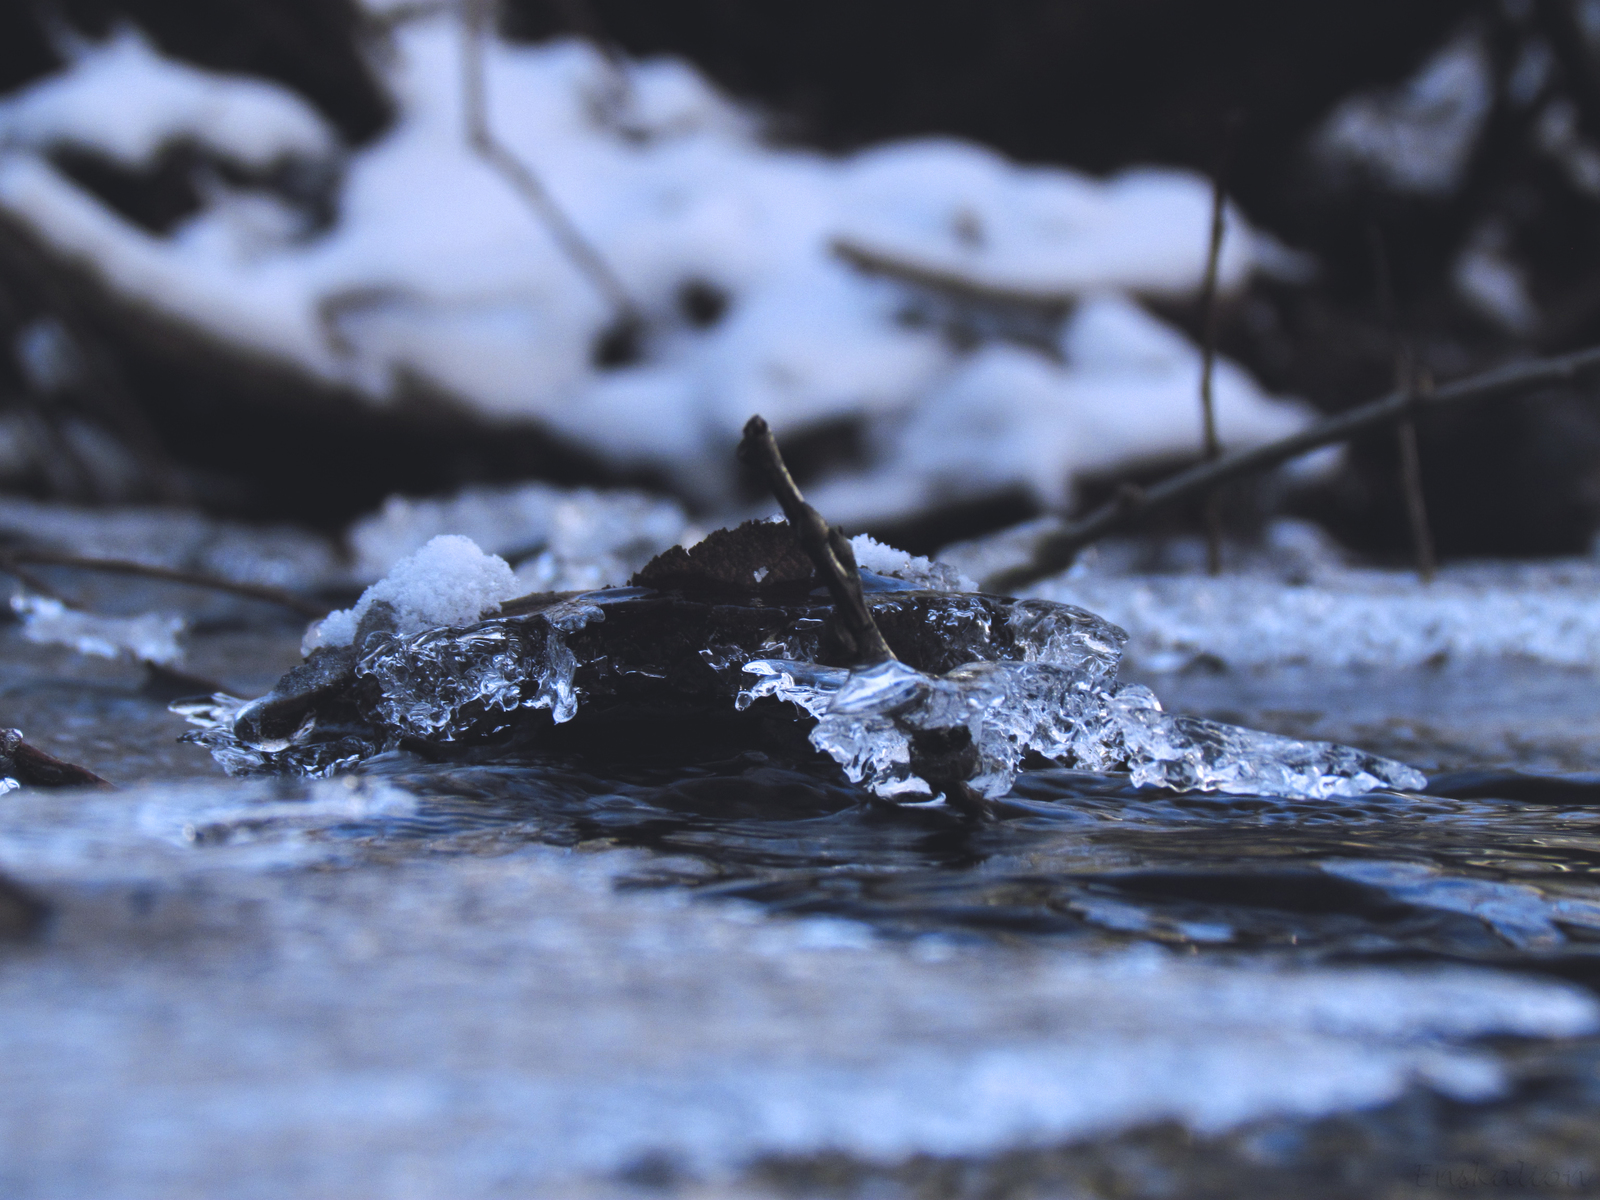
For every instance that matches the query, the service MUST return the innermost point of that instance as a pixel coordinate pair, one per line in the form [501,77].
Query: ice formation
[982,683]
[449,582]
[436,272]
[1294,601]
[870,721]
[149,637]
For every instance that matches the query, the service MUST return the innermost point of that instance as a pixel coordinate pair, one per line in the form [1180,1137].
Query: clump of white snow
[448,582]
[872,555]
[437,274]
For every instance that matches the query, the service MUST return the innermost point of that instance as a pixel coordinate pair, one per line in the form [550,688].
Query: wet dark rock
[758,558]
[32,767]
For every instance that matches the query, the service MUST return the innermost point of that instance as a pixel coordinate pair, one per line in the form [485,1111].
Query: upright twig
[1212,447]
[1056,551]
[827,547]
[480,136]
[1406,380]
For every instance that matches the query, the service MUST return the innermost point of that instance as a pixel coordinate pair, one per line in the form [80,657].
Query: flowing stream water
[717,973]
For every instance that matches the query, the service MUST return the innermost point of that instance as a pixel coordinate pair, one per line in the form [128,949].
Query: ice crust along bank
[983,682]
[434,271]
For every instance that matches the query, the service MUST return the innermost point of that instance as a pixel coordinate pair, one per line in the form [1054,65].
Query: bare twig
[1212,448]
[1407,380]
[1411,485]
[940,279]
[9,559]
[1055,552]
[827,547]
[578,249]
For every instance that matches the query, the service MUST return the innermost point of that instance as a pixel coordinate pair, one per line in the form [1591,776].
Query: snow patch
[437,273]
[449,582]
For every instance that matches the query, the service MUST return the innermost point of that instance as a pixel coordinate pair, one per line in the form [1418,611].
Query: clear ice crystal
[440,682]
[302,753]
[1062,705]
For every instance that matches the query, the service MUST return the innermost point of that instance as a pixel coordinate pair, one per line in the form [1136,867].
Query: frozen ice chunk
[302,752]
[1195,754]
[441,683]
[449,582]
[150,637]
[870,722]
[872,555]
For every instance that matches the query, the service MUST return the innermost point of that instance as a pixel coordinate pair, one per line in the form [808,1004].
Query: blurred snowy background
[253,263]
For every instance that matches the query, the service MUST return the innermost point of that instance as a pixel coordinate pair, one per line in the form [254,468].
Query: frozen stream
[575,977]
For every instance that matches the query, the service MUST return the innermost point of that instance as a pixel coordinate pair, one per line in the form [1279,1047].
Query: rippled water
[1497,869]
[1506,871]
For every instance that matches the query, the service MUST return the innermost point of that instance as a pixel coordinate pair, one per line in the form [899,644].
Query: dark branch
[1055,552]
[480,136]
[828,548]
[254,591]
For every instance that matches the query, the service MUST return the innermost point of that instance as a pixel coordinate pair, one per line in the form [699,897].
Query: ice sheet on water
[149,637]
[1293,600]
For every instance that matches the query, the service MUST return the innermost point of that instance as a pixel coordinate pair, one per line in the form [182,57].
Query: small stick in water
[827,547]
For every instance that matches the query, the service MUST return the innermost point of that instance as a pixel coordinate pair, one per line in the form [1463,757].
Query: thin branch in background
[1211,446]
[1411,483]
[1056,551]
[10,560]
[828,548]
[1406,379]
[578,249]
